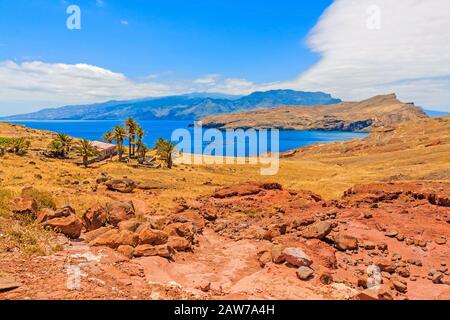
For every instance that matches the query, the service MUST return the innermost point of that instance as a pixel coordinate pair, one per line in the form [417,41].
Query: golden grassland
[418,150]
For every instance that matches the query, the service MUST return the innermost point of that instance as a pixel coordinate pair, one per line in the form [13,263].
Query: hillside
[383,110]
[183,107]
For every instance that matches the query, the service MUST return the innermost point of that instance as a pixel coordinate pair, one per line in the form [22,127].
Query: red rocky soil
[254,241]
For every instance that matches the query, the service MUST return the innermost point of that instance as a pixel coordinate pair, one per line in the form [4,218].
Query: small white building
[107,150]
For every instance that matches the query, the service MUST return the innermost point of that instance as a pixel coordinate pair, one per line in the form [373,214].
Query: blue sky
[174,38]
[352,49]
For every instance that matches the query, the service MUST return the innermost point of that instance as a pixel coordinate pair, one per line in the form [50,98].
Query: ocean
[94,130]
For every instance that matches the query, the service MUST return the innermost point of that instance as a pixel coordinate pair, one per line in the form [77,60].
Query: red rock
[264,259]
[296,257]
[179,244]
[24,206]
[305,273]
[48,214]
[147,250]
[318,230]
[127,251]
[345,242]
[129,225]
[70,226]
[185,230]
[94,234]
[128,238]
[153,237]
[121,185]
[107,239]
[119,211]
[238,190]
[95,218]
[277,254]
[386,265]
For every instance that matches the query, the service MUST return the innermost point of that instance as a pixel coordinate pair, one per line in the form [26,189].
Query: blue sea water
[94,130]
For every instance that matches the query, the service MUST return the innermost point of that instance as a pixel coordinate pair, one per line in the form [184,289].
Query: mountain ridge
[181,107]
[378,111]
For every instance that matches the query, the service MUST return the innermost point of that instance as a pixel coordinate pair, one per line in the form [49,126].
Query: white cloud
[408,54]
[32,85]
[124,22]
[99,3]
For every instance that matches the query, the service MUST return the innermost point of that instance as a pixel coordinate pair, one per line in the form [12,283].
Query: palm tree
[165,150]
[131,126]
[56,148]
[140,147]
[20,145]
[119,134]
[65,142]
[108,136]
[85,149]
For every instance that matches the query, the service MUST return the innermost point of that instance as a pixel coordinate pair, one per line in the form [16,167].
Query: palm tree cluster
[18,146]
[60,147]
[165,150]
[86,150]
[134,133]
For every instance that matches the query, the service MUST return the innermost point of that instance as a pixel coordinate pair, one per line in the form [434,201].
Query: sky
[353,49]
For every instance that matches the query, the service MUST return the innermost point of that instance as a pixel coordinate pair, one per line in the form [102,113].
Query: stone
[386,265]
[318,230]
[345,242]
[297,223]
[70,226]
[305,273]
[391,234]
[121,185]
[129,225]
[24,206]
[437,277]
[128,238]
[48,214]
[403,272]
[8,283]
[277,254]
[119,211]
[107,239]
[264,258]
[147,250]
[95,217]
[400,286]
[326,278]
[153,237]
[185,230]
[94,234]
[440,241]
[127,251]
[382,246]
[296,257]
[368,215]
[179,244]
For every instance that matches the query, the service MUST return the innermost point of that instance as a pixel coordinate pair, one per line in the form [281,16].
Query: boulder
[48,214]
[345,242]
[70,226]
[318,230]
[386,265]
[185,230]
[107,239]
[277,254]
[296,257]
[95,218]
[192,217]
[146,250]
[8,283]
[153,237]
[127,251]
[127,238]
[121,185]
[94,234]
[24,206]
[179,244]
[305,273]
[130,225]
[119,211]
[264,258]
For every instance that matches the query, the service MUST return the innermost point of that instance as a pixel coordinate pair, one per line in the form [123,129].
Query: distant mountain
[379,111]
[183,107]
